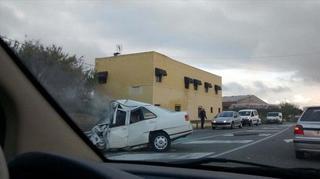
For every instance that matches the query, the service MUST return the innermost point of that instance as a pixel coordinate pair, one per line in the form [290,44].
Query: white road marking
[159,156]
[249,144]
[219,142]
[231,135]
[271,128]
[288,140]
[261,130]
[205,137]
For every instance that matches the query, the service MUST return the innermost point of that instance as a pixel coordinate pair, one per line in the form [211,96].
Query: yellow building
[154,78]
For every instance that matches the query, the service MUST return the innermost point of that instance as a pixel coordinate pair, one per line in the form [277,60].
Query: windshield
[226,114]
[311,115]
[244,113]
[273,114]
[176,65]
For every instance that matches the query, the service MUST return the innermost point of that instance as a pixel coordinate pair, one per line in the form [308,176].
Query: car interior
[39,140]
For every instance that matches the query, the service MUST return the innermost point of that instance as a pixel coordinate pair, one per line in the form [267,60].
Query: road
[269,144]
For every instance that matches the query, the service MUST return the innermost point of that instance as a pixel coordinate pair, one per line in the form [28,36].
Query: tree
[289,110]
[64,76]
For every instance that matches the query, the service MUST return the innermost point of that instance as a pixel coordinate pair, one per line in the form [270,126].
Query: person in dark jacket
[202,116]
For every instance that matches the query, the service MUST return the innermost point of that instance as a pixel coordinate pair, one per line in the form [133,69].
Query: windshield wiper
[201,161]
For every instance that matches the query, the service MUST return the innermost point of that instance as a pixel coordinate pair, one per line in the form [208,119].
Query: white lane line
[205,137]
[271,128]
[249,144]
[288,140]
[261,135]
[261,130]
[160,156]
[219,142]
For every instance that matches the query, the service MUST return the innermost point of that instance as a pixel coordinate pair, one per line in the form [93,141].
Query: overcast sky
[267,48]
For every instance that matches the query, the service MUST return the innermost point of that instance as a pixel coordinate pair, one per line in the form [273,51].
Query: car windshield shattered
[149,80]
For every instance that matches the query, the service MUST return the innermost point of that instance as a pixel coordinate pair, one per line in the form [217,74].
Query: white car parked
[137,125]
[250,117]
[274,117]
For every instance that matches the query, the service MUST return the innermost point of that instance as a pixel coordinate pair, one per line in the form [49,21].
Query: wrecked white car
[137,125]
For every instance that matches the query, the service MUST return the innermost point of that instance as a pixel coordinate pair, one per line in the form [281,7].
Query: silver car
[227,119]
[307,132]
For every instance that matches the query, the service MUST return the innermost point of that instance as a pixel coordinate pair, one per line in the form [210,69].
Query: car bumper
[245,121]
[222,125]
[272,120]
[306,145]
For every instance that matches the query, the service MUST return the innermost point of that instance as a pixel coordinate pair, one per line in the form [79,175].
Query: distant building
[154,78]
[245,101]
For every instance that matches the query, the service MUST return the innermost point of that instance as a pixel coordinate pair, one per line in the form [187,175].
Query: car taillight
[186,117]
[298,130]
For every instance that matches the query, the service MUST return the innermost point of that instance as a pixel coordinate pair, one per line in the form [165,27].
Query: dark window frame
[102,77]
[114,121]
[143,108]
[159,73]
[177,107]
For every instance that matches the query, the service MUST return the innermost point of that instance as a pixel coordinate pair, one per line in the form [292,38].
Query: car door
[118,134]
[237,118]
[141,122]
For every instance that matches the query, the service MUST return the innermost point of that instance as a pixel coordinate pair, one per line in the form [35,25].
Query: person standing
[203,116]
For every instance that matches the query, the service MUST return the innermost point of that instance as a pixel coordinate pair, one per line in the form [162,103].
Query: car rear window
[311,114]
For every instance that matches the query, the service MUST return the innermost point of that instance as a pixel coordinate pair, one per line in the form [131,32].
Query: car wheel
[240,125]
[160,142]
[250,123]
[299,155]
[232,125]
[213,128]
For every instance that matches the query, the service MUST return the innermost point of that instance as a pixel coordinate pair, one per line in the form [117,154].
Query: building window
[157,104]
[207,86]
[219,110]
[187,82]
[196,83]
[158,78]
[102,77]
[211,109]
[159,73]
[217,88]
[177,107]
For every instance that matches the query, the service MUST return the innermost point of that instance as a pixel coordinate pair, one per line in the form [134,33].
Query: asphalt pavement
[269,144]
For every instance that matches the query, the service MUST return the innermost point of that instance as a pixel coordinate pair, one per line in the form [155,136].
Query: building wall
[171,91]
[133,77]
[129,76]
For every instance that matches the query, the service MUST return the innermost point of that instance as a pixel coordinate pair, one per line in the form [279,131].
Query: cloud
[274,37]
[264,91]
